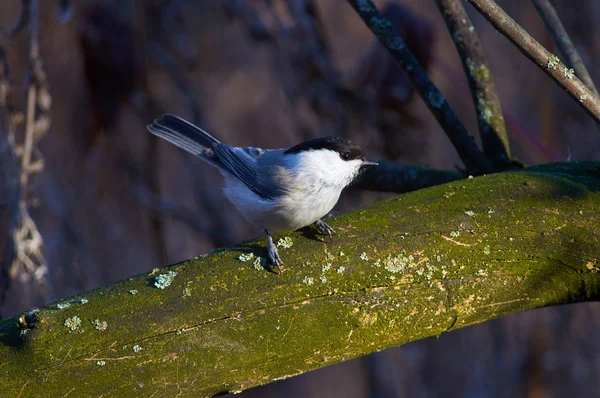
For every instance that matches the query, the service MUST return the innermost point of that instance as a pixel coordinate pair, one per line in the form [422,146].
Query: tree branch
[465,145]
[413,266]
[533,50]
[400,178]
[492,128]
[563,41]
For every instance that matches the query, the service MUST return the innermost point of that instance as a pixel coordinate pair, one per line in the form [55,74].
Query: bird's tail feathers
[182,133]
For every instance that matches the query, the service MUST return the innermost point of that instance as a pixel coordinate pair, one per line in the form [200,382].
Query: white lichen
[341,270]
[62,306]
[100,325]
[73,323]
[470,213]
[569,73]
[100,363]
[259,263]
[83,301]
[137,348]
[245,257]
[133,291]
[323,279]
[398,263]
[163,281]
[286,242]
[553,62]
[364,257]
[308,281]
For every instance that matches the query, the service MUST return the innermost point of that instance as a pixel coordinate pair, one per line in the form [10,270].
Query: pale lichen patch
[308,281]
[285,243]
[73,323]
[569,73]
[245,257]
[163,281]
[100,325]
[553,62]
[259,263]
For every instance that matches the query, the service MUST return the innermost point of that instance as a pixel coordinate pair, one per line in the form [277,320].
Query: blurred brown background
[113,202]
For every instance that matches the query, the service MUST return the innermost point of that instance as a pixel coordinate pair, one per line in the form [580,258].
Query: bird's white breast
[286,213]
[310,185]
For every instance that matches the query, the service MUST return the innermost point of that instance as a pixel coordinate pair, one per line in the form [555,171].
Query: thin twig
[463,141]
[400,178]
[545,60]
[29,260]
[492,128]
[563,41]
[34,54]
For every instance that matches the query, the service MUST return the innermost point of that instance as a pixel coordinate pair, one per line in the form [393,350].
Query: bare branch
[563,41]
[545,60]
[471,155]
[492,128]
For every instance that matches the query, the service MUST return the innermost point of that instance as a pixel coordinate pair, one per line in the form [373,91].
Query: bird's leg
[273,255]
[323,228]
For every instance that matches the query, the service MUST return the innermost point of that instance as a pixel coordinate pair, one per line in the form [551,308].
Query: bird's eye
[345,156]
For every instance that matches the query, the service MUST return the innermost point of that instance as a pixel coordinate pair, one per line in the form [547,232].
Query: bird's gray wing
[242,163]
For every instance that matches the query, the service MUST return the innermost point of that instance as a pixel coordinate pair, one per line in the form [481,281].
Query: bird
[277,190]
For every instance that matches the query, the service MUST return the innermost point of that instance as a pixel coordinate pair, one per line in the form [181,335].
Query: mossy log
[402,269]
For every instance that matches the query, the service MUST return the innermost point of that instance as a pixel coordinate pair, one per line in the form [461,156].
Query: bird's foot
[324,229]
[273,254]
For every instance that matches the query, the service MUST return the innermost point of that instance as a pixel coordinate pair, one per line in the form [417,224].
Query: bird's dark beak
[367,163]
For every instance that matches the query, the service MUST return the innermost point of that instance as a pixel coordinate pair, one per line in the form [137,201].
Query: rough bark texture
[494,139]
[413,266]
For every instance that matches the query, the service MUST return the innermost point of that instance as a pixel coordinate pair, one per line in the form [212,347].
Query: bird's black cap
[348,150]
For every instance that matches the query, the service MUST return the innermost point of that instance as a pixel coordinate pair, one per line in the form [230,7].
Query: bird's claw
[324,229]
[273,254]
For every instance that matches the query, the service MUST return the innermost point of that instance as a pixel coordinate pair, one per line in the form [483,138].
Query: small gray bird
[277,190]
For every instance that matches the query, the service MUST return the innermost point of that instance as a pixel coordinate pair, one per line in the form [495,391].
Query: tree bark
[417,265]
